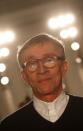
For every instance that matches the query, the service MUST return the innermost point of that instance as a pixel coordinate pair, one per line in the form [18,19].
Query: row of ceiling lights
[67,30]
[6,37]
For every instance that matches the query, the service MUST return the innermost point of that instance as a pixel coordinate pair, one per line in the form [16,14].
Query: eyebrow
[32,58]
[45,55]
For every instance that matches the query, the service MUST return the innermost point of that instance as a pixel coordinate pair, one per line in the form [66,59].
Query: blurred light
[4,52]
[64,34]
[4,80]
[69,18]
[78,60]
[65,20]
[61,21]
[2,67]
[53,23]
[75,46]
[72,32]
[7,36]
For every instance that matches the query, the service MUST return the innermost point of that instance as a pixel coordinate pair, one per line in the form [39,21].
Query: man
[43,66]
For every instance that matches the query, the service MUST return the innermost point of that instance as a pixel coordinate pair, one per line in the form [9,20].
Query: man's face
[44,81]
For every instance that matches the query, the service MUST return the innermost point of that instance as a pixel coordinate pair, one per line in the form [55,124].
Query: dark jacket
[27,119]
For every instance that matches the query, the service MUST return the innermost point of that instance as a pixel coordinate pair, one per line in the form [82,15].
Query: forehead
[39,50]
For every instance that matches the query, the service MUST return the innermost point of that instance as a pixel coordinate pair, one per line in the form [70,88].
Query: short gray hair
[41,39]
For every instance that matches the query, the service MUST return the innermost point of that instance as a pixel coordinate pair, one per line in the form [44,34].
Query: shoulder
[18,119]
[76,102]
[76,98]
[19,113]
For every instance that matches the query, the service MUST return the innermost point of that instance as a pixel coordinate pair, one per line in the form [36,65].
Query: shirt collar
[51,110]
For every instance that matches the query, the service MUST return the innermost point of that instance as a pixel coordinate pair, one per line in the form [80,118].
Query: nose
[41,68]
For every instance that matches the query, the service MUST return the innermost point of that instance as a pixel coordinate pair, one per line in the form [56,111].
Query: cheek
[57,75]
[31,79]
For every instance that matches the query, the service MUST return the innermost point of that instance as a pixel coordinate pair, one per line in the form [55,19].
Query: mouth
[44,80]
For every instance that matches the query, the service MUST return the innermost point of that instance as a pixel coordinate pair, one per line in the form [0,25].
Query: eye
[50,60]
[32,65]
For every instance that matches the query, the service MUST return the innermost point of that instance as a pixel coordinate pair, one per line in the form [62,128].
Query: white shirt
[51,111]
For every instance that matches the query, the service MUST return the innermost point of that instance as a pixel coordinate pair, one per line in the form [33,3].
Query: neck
[50,97]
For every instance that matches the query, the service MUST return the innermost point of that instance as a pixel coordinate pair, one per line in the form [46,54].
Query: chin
[45,91]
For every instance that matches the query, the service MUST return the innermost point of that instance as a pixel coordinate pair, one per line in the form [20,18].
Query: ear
[64,68]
